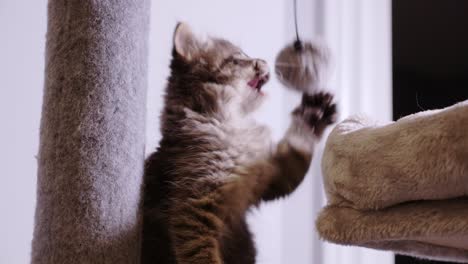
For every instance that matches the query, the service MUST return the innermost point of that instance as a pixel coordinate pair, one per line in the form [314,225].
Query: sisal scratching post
[91,152]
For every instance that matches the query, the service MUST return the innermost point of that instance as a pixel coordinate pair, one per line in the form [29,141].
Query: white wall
[22,41]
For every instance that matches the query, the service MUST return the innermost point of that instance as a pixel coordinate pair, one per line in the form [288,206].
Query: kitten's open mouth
[258,82]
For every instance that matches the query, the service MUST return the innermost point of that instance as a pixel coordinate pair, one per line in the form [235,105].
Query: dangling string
[297,43]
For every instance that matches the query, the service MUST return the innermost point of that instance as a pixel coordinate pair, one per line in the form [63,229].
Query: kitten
[214,161]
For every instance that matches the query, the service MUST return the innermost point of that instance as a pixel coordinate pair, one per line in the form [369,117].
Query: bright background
[358,34]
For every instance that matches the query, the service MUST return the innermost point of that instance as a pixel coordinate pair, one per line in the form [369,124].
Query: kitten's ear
[186,43]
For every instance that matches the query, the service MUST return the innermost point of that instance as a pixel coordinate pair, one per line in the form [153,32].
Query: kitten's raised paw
[317,110]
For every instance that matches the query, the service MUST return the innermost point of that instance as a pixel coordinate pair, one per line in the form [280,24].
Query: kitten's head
[212,75]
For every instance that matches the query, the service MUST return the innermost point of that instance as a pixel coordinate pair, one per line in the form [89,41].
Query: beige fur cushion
[401,186]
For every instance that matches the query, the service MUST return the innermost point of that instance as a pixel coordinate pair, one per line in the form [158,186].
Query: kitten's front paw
[317,110]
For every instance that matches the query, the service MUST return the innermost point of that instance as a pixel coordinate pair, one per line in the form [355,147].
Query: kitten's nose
[261,67]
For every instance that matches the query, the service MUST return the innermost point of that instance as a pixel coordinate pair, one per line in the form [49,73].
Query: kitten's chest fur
[216,147]
[245,141]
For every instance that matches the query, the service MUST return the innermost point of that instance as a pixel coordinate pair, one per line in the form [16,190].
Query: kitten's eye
[232,60]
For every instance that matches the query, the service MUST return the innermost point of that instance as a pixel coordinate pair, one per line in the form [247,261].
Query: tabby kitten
[214,161]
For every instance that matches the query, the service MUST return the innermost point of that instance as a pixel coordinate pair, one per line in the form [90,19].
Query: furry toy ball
[302,66]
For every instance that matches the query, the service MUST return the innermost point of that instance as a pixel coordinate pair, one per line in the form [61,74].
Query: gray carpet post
[91,153]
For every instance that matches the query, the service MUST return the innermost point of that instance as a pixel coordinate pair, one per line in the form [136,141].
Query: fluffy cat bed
[401,186]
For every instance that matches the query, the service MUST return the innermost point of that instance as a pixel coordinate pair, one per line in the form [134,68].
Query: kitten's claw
[317,110]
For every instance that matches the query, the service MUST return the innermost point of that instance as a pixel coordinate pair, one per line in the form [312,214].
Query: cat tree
[91,152]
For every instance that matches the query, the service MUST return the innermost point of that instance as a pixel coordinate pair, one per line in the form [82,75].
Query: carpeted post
[92,132]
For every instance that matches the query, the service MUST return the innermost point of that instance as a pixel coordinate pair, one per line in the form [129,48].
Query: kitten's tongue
[254,83]
[257,82]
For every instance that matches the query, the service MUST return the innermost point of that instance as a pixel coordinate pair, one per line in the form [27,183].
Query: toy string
[297,43]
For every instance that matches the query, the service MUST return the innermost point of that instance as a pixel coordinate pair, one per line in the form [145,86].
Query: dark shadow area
[430,59]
